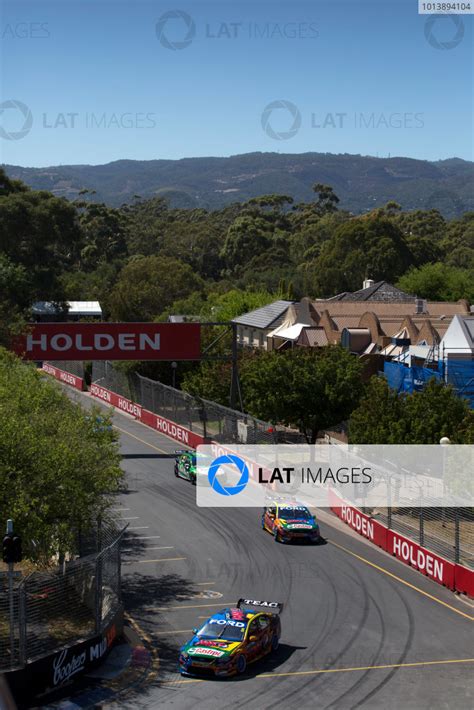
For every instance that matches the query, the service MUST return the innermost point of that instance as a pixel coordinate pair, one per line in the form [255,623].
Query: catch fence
[201,416]
[48,610]
[447,531]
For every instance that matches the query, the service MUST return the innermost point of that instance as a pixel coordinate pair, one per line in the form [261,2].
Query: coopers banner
[110,341]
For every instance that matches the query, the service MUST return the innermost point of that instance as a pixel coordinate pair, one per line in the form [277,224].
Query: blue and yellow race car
[290,521]
[231,639]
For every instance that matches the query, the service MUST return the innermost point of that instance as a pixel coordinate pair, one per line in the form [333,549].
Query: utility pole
[234,384]
[10,597]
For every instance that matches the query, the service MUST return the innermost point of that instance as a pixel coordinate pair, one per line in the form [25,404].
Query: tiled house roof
[380,291]
[265,317]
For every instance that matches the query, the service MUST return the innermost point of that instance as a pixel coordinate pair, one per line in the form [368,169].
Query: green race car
[185,465]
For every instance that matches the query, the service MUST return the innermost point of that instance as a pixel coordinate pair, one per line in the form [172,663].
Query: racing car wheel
[241,664]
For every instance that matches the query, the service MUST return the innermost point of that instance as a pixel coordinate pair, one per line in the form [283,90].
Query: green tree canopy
[58,470]
[41,233]
[439,282]
[386,417]
[310,389]
[147,285]
[363,247]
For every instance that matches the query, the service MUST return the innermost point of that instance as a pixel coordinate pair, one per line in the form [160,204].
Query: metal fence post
[389,501]
[422,527]
[22,622]
[98,593]
[457,533]
[119,571]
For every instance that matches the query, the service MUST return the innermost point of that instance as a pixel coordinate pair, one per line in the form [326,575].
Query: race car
[290,521]
[231,639]
[185,465]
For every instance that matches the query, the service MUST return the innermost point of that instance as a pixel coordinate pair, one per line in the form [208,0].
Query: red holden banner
[110,341]
[464,580]
[358,521]
[67,377]
[421,559]
[169,428]
[165,426]
[406,550]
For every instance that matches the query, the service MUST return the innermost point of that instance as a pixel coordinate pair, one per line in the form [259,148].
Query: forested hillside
[145,260]
[361,182]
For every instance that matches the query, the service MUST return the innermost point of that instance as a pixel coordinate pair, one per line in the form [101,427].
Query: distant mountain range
[361,182]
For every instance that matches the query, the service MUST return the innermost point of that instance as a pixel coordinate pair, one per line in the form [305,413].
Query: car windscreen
[229,630]
[296,513]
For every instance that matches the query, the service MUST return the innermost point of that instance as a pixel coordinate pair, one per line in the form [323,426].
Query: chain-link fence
[75,367]
[10,653]
[46,611]
[206,418]
[447,531]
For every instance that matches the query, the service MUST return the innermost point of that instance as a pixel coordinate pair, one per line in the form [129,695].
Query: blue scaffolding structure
[456,372]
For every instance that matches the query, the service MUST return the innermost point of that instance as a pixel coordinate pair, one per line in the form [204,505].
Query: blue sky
[93,82]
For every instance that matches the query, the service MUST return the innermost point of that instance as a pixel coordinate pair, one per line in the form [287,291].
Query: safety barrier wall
[56,669]
[453,576]
[67,377]
[155,421]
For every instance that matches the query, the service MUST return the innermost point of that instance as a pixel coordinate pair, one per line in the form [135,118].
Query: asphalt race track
[359,629]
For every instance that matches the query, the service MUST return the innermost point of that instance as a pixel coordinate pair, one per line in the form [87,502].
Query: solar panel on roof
[265,316]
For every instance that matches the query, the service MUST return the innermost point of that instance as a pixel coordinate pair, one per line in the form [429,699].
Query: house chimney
[420,306]
[368,283]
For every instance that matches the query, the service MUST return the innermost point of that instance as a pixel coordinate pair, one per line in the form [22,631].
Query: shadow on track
[141,591]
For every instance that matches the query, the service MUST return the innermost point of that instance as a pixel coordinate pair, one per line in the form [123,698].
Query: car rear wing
[260,605]
[178,452]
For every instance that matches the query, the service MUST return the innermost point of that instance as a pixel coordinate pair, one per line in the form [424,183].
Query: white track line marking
[147,537]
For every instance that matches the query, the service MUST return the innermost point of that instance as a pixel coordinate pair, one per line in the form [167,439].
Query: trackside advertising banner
[155,421]
[421,559]
[363,476]
[358,521]
[110,341]
[406,550]
[67,377]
